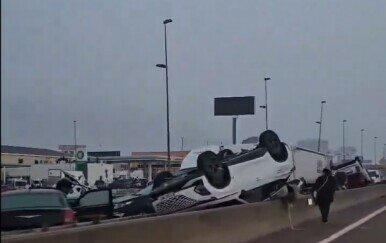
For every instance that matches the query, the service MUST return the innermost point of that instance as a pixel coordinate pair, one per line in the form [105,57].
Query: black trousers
[324,208]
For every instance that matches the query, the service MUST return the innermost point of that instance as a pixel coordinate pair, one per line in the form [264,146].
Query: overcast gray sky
[94,62]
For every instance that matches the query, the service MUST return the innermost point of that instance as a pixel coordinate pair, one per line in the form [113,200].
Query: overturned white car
[258,174]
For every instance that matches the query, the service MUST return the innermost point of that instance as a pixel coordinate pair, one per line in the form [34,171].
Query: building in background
[157,160]
[15,155]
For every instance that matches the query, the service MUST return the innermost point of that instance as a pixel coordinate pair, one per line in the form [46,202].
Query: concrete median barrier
[231,224]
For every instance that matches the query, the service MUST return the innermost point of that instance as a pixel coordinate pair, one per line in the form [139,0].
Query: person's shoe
[325,221]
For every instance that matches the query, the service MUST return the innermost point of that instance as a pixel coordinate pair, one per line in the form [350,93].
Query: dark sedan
[23,209]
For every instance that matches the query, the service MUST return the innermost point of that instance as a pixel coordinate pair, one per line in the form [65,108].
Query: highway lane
[373,231]
[314,231]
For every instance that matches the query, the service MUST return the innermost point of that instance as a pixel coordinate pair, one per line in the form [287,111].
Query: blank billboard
[234,106]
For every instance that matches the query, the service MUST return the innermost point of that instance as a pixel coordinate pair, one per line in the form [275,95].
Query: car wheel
[214,170]
[161,178]
[275,147]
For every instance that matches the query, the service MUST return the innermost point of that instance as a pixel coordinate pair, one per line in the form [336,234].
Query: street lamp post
[320,123]
[74,139]
[344,146]
[375,150]
[384,151]
[165,22]
[266,103]
[362,130]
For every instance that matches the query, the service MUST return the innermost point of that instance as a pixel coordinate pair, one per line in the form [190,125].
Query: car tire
[214,170]
[275,147]
[161,178]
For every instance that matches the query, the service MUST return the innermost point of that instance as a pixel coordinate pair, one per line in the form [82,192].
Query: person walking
[323,192]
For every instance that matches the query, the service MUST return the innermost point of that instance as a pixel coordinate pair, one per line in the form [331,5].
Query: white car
[258,174]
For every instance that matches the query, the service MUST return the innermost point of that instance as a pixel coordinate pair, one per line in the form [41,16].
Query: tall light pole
[266,103]
[362,130]
[375,150]
[320,123]
[165,22]
[384,151]
[344,145]
[74,139]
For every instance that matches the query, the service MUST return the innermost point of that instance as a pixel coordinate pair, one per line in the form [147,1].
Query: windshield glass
[145,191]
[33,200]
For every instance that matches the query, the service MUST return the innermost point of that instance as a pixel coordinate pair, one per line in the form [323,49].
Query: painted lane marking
[353,226]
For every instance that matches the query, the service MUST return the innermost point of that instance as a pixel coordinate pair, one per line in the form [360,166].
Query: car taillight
[69,216]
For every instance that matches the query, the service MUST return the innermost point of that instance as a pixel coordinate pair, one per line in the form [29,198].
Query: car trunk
[31,218]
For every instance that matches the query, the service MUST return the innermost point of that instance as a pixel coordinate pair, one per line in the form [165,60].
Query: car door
[95,204]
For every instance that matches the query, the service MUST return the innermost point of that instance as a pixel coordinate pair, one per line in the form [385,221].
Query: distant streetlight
[320,123]
[375,150]
[344,145]
[266,103]
[74,139]
[167,91]
[362,130]
[384,151]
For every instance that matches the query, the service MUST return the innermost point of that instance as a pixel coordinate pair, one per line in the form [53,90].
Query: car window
[145,191]
[33,200]
[20,183]
[95,198]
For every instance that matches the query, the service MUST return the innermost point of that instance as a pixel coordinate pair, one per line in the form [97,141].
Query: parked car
[23,209]
[35,208]
[258,174]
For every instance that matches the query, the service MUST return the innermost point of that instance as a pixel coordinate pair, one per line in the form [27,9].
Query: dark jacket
[325,188]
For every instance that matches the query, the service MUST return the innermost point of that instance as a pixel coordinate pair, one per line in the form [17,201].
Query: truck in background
[98,172]
[309,165]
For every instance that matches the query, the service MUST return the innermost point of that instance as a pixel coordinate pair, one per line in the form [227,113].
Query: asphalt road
[372,231]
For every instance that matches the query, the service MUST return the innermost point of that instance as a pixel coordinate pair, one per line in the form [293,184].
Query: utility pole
[344,145]
[375,150]
[182,144]
[362,130]
[166,67]
[266,103]
[75,140]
